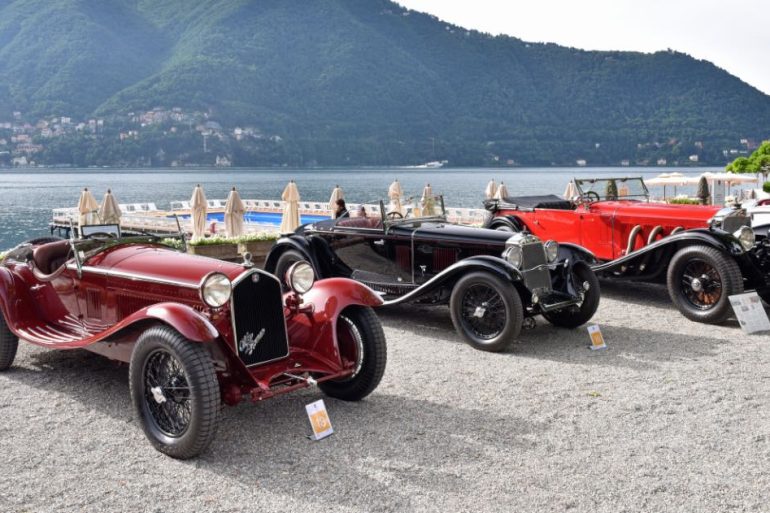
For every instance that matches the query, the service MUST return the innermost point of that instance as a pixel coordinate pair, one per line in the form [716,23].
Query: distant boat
[435,164]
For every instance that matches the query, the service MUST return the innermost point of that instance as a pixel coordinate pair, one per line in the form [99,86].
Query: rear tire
[486,311]
[700,280]
[9,343]
[574,316]
[362,343]
[175,392]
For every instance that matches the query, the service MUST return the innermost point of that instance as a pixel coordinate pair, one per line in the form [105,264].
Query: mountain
[368,82]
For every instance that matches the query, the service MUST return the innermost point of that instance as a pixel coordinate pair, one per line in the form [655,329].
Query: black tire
[9,343]
[286,260]
[503,228]
[361,340]
[486,311]
[700,280]
[185,380]
[577,315]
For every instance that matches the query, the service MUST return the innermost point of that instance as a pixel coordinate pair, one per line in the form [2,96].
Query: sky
[734,35]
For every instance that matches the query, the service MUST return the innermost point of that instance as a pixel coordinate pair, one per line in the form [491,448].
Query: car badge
[248,343]
[255,278]
[157,394]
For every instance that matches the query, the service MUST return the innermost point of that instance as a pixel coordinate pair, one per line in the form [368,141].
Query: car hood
[160,263]
[689,216]
[446,232]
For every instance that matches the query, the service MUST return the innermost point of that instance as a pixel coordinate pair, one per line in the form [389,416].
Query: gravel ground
[672,417]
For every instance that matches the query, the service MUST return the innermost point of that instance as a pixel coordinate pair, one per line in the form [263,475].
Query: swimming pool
[271,218]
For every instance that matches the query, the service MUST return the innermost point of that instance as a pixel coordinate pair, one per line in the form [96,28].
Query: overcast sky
[734,35]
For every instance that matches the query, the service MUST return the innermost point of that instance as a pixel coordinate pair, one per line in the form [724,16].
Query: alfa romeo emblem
[248,342]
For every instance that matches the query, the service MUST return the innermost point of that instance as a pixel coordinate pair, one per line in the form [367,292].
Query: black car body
[494,282]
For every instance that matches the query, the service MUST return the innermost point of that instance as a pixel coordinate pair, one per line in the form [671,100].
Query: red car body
[105,299]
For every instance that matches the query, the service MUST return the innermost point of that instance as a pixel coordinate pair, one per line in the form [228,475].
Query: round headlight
[746,237]
[216,290]
[513,255]
[551,250]
[300,277]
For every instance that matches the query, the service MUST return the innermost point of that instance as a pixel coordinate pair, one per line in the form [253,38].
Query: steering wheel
[591,196]
[395,215]
[101,236]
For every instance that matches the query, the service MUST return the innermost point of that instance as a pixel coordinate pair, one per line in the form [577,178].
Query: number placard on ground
[319,420]
[750,312]
[597,339]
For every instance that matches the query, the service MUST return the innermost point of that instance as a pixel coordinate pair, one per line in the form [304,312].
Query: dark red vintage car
[704,253]
[196,332]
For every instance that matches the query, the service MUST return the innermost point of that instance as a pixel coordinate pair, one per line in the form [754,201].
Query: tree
[757,162]
[703,191]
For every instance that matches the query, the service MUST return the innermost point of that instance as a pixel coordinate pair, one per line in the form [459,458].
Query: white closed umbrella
[234,210]
[337,194]
[571,190]
[502,192]
[428,201]
[290,218]
[109,211]
[491,190]
[394,193]
[87,208]
[198,209]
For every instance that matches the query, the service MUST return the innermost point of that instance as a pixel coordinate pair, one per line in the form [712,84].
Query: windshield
[412,208]
[595,189]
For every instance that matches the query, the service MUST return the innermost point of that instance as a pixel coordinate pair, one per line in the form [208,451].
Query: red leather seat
[49,257]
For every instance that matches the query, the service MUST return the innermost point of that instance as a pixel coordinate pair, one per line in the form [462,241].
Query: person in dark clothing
[342,209]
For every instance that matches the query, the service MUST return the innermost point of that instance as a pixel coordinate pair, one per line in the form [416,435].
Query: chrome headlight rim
[551,251]
[514,255]
[300,277]
[746,237]
[215,289]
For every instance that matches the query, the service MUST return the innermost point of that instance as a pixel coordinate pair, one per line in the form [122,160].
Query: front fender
[447,277]
[190,323]
[299,244]
[573,252]
[331,296]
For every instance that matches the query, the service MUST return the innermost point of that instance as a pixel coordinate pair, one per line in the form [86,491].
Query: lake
[29,195]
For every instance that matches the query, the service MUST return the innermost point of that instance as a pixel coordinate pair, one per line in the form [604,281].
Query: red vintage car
[704,253]
[196,332]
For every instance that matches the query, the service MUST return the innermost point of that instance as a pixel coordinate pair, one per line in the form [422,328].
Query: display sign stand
[750,312]
[597,339]
[319,420]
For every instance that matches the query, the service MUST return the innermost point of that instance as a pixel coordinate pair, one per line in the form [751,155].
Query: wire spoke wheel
[351,344]
[701,284]
[167,393]
[483,311]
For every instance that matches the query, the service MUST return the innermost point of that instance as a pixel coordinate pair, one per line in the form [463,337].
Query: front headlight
[746,237]
[551,250]
[300,277]
[216,290]
[513,255]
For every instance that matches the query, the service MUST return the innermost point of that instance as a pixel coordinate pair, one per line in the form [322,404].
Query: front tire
[175,392]
[9,343]
[362,344]
[486,311]
[700,280]
[577,315]
[286,260]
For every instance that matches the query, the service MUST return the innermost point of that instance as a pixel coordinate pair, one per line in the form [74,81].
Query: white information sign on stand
[319,420]
[597,339]
[750,312]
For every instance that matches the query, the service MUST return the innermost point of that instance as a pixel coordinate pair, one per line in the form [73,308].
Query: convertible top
[548,201]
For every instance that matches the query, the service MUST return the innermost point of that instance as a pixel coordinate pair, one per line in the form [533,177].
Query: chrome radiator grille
[533,255]
[258,322]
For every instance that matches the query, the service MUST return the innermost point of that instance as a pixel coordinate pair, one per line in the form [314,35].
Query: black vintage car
[494,282]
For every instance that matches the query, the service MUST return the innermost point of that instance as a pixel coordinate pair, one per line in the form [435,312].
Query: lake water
[29,195]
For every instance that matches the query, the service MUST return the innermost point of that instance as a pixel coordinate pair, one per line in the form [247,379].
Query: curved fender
[512,222]
[573,252]
[491,264]
[186,320]
[332,295]
[285,243]
[8,297]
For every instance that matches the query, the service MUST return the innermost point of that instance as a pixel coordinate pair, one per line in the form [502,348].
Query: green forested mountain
[368,82]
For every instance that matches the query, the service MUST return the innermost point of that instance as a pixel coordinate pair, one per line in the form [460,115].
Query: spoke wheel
[700,280]
[362,347]
[175,392]
[585,281]
[486,310]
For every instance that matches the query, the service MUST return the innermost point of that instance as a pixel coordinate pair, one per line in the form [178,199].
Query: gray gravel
[673,417]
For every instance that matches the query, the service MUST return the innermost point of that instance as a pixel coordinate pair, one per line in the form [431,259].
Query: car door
[595,230]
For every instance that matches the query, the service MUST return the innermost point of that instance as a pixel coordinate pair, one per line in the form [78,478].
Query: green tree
[611,190]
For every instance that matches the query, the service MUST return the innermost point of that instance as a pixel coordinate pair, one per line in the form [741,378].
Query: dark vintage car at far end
[494,282]
[196,332]
[704,253]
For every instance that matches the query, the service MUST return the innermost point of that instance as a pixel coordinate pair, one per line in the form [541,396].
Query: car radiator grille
[533,255]
[258,320]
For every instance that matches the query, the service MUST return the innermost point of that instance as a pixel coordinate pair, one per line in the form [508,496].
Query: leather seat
[49,257]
